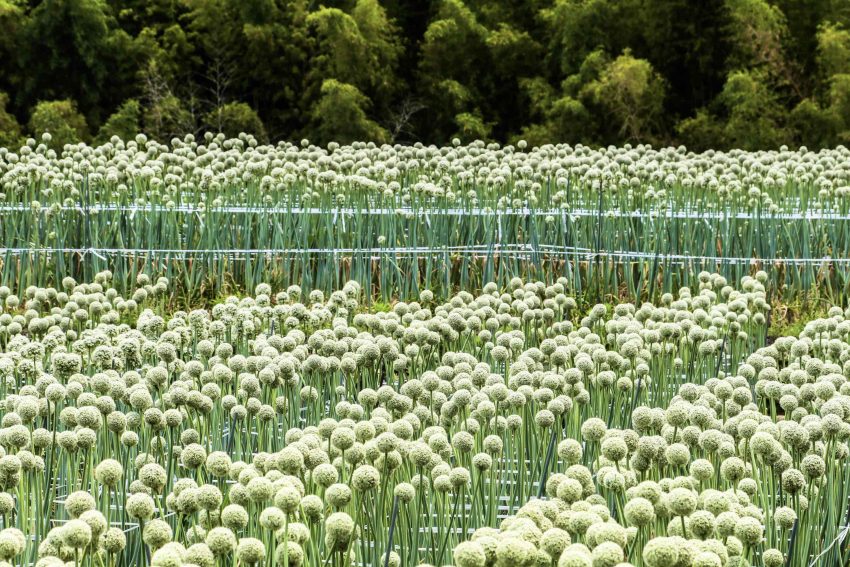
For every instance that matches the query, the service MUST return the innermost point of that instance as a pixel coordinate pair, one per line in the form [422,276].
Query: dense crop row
[302,429]
[219,214]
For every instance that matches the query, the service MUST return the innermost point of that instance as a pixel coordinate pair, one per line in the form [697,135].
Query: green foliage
[754,112]
[757,28]
[381,36]
[235,118]
[589,71]
[804,19]
[124,123]
[454,31]
[839,102]
[813,126]
[344,52]
[12,20]
[61,119]
[833,50]
[359,48]
[472,127]
[340,115]
[512,51]
[701,132]
[10,130]
[251,51]
[168,118]
[688,43]
[579,27]
[449,80]
[605,101]
[632,93]
[73,51]
[563,116]
[748,114]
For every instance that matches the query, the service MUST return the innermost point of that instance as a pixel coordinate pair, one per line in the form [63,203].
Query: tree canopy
[715,73]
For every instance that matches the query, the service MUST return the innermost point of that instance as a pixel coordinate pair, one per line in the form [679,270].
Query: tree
[578,27]
[361,49]
[758,29]
[10,130]
[256,52]
[748,114]
[472,127]
[235,118]
[804,18]
[12,20]
[137,15]
[168,118]
[514,55]
[632,93]
[755,114]
[74,51]
[701,132]
[833,50]
[560,117]
[382,38]
[570,114]
[343,52]
[340,116]
[454,56]
[124,122]
[813,126]
[823,120]
[62,120]
[215,30]
[689,44]
[170,51]
[591,71]
[358,50]
[454,44]
[839,103]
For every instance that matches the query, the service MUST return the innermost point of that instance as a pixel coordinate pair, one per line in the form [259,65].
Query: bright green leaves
[62,120]
[340,115]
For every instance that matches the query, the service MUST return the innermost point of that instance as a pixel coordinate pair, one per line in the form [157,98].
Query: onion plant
[218,215]
[506,427]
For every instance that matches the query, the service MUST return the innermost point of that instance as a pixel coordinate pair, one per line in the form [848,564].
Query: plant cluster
[503,428]
[224,214]
[215,171]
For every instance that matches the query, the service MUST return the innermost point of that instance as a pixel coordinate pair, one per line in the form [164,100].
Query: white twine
[484,250]
[838,538]
[426,212]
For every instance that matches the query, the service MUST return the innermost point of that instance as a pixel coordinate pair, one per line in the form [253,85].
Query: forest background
[710,74]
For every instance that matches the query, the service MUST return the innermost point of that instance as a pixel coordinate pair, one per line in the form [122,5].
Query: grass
[789,319]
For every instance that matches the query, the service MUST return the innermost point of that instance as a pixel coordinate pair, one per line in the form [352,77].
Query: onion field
[216,353]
